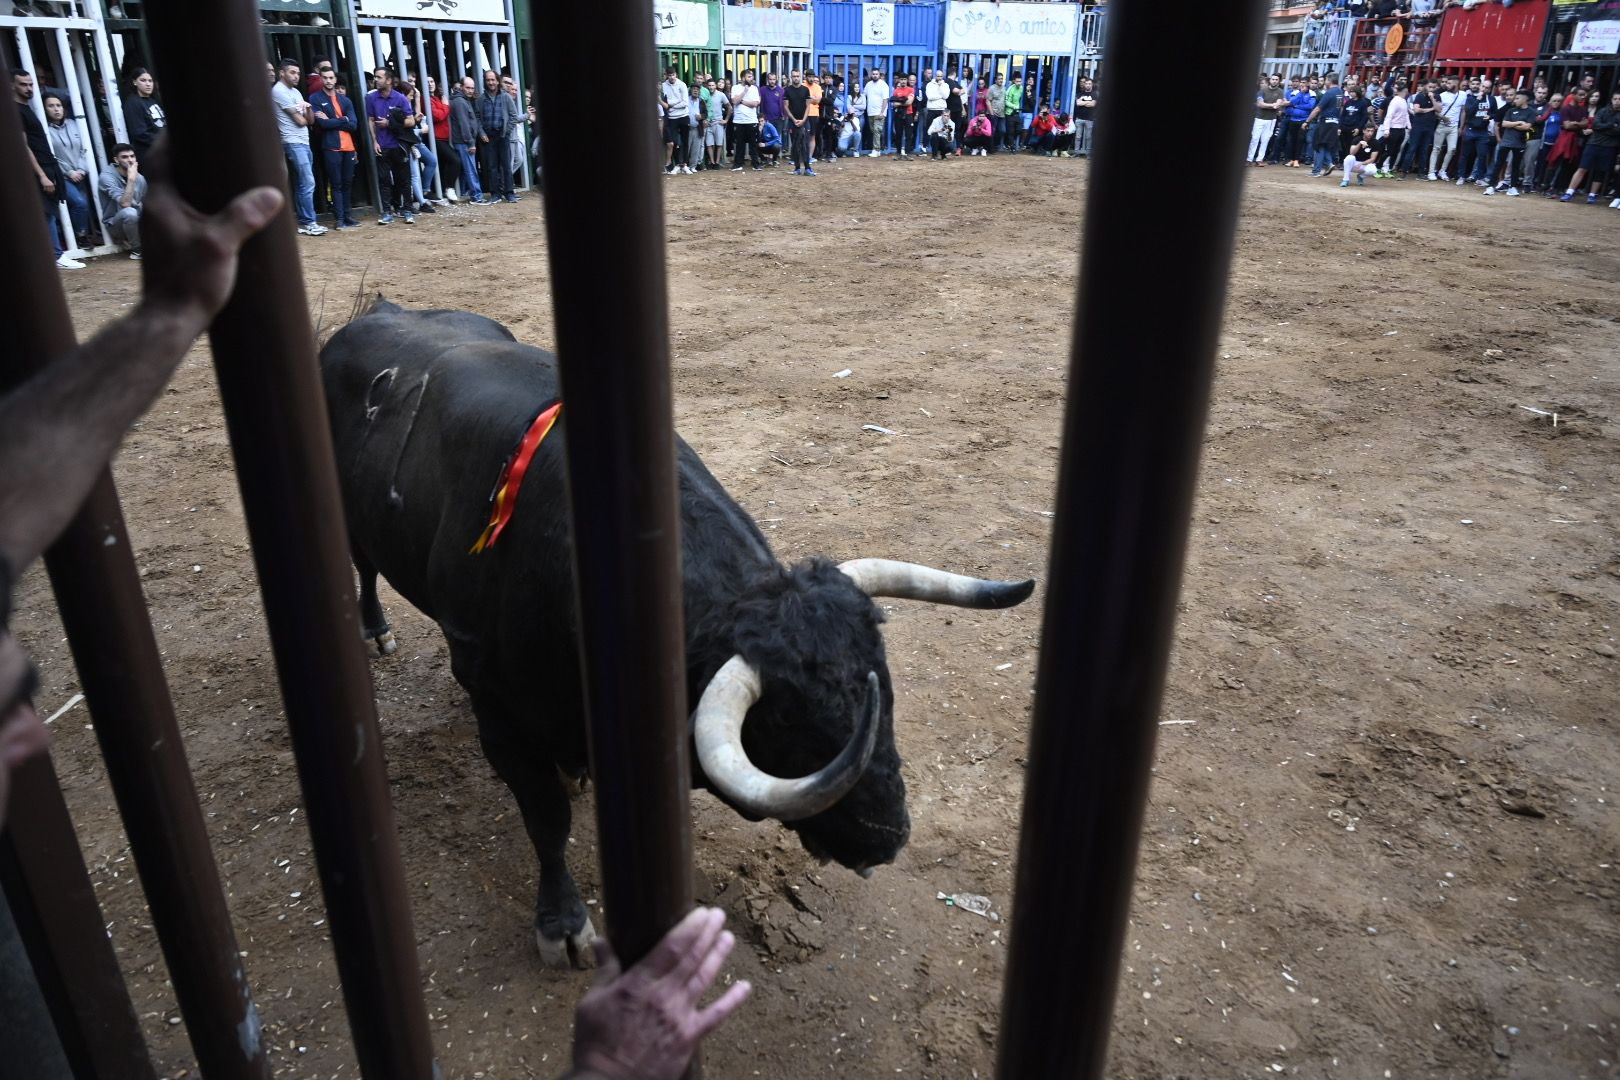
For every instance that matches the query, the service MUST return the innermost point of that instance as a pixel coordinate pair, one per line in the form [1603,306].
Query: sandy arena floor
[1382,841]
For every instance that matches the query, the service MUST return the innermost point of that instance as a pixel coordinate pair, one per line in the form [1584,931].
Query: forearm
[60,428]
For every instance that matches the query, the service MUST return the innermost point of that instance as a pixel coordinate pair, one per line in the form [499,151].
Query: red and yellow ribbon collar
[504,498]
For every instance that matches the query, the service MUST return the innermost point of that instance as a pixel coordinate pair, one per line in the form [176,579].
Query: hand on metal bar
[645,1023]
[190,257]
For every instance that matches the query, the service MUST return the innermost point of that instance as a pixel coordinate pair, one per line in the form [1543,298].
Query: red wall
[1493,32]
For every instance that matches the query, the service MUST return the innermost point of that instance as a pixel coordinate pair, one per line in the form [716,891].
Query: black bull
[426,407]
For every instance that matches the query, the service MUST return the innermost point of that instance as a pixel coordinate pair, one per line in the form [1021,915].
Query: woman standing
[68,149]
[449,160]
[143,113]
[1397,125]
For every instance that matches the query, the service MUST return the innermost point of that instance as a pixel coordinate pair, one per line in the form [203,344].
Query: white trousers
[1352,167]
[1260,138]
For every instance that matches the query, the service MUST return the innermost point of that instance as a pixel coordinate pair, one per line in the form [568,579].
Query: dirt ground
[1382,838]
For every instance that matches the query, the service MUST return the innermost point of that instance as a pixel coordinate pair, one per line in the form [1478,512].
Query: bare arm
[59,429]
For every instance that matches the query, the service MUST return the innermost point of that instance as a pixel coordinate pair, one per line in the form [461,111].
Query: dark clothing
[495,160]
[145,120]
[797,101]
[1330,105]
[1514,137]
[497,114]
[339,166]
[463,121]
[394,179]
[1478,112]
[1353,116]
[1605,128]
[1425,120]
[1514,157]
[321,101]
[34,132]
[747,138]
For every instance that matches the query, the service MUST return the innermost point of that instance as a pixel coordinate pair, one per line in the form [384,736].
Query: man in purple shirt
[393,172]
[772,103]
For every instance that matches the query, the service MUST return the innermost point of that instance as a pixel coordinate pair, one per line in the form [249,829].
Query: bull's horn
[909,581]
[717,730]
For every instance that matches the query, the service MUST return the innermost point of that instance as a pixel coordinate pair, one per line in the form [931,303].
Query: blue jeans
[469,171]
[53,221]
[1324,148]
[302,163]
[78,200]
[340,174]
[423,170]
[1481,145]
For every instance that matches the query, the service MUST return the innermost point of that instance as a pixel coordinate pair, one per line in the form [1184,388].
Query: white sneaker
[451,196]
[875,153]
[1432,176]
[1513,191]
[1461,182]
[1488,191]
[690,171]
[66,262]
[1615,205]
[1443,175]
[312,230]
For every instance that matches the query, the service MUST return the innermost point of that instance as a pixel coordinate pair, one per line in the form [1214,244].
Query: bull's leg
[562,928]
[373,623]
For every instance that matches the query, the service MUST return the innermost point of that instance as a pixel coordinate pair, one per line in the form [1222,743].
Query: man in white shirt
[1445,136]
[745,121]
[877,110]
[293,118]
[673,102]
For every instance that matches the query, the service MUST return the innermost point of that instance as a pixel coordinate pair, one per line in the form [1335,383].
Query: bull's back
[425,410]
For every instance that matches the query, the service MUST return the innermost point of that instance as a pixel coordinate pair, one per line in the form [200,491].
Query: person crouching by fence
[1361,161]
[123,194]
[1043,132]
[980,132]
[941,136]
[335,119]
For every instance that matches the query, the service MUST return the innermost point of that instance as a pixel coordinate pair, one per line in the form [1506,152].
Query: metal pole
[1125,486]
[223,142]
[61,925]
[98,594]
[616,382]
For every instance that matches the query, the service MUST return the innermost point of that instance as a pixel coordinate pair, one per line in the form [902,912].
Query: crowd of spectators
[1500,138]
[477,149]
[715,123]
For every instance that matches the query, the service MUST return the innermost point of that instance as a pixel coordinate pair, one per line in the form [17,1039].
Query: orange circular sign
[1393,40]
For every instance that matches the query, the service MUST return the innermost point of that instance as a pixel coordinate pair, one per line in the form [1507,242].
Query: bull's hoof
[574,950]
[386,645]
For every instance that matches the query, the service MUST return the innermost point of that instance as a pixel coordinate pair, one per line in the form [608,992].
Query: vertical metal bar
[439,41]
[90,125]
[48,888]
[99,598]
[427,105]
[109,76]
[1110,604]
[517,78]
[221,132]
[616,380]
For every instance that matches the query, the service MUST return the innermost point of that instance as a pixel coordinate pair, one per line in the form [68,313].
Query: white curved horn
[717,731]
[911,581]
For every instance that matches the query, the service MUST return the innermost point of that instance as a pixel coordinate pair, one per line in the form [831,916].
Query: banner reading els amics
[1025,29]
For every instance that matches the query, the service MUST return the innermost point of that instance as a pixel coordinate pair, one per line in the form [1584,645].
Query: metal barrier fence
[68,53]
[1107,623]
